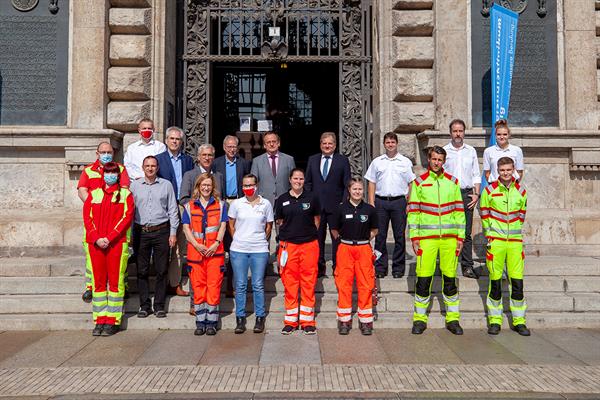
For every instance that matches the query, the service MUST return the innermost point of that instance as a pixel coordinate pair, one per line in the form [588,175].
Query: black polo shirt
[355,223]
[298,217]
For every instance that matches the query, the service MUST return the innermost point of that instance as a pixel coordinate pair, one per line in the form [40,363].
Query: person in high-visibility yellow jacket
[436,222]
[503,207]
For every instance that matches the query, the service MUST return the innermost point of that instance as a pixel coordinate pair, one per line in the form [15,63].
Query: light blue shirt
[176,162]
[231,189]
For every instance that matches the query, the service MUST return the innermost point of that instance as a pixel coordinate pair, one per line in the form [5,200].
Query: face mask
[146,133]
[111,179]
[105,158]
[249,191]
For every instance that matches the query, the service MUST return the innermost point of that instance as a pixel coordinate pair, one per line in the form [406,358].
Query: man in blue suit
[327,175]
[172,164]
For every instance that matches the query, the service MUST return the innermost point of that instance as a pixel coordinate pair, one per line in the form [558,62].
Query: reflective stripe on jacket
[503,211]
[435,208]
[205,225]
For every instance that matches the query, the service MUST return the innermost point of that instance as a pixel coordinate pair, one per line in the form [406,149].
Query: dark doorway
[300,99]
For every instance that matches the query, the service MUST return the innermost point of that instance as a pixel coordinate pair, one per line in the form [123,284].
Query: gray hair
[175,129]
[206,146]
[231,137]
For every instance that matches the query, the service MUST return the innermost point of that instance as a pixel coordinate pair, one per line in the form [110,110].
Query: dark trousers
[394,211]
[466,255]
[155,245]
[326,219]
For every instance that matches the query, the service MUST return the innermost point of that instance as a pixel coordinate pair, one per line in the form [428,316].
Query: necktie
[273,167]
[326,167]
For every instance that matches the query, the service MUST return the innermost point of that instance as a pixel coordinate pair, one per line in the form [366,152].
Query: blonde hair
[202,177]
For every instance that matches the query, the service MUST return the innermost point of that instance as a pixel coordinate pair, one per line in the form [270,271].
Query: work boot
[418,327]
[344,328]
[469,272]
[522,330]
[201,330]
[309,330]
[211,330]
[454,327]
[366,328]
[98,330]
[110,330]
[494,329]
[287,330]
[259,325]
[87,296]
[240,325]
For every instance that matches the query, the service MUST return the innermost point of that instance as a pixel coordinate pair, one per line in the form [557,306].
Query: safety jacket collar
[505,188]
[110,189]
[211,200]
[97,166]
[434,175]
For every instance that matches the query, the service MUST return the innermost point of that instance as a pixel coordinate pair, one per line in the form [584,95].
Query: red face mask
[249,191]
[146,133]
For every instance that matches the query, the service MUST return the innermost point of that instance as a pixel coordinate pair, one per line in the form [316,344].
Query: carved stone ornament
[53,6]
[517,6]
[24,5]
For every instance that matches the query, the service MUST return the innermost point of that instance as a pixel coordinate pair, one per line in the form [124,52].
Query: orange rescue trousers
[299,273]
[108,282]
[355,261]
[206,278]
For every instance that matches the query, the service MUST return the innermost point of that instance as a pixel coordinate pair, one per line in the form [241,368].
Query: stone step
[392,302]
[469,320]
[74,285]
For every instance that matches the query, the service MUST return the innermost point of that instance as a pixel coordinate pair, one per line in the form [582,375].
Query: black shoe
[87,296]
[344,328]
[211,330]
[143,313]
[287,330]
[454,327]
[259,325]
[160,314]
[418,327]
[98,330]
[240,325]
[494,329]
[469,272]
[397,275]
[366,328]
[380,275]
[309,330]
[200,331]
[110,330]
[522,330]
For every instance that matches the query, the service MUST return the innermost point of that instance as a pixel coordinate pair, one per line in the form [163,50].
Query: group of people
[184,216]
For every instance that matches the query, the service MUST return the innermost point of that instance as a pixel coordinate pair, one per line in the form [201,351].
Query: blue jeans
[256,262]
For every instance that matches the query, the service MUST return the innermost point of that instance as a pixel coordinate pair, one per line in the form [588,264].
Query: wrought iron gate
[335,31]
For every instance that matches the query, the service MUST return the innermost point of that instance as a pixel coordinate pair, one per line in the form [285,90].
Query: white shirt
[492,154]
[323,163]
[250,222]
[391,176]
[462,163]
[135,154]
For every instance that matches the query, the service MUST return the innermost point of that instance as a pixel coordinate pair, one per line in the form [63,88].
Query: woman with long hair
[107,215]
[204,222]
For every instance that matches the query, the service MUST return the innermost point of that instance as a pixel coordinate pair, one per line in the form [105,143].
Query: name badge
[285,203]
[349,216]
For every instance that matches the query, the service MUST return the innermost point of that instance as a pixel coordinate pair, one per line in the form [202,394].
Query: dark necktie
[273,167]
[326,167]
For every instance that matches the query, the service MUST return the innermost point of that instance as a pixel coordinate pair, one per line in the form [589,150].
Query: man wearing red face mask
[146,146]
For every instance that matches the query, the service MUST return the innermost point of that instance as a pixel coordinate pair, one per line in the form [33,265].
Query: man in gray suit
[272,169]
[206,156]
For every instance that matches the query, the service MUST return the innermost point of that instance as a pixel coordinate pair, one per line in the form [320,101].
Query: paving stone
[124,348]
[535,349]
[476,347]
[178,347]
[351,349]
[583,344]
[296,348]
[50,351]
[401,347]
[227,348]
[15,341]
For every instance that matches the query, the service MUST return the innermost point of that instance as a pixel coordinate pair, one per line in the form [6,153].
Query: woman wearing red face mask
[250,224]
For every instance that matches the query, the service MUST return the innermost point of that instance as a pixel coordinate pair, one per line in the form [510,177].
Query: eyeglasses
[206,185]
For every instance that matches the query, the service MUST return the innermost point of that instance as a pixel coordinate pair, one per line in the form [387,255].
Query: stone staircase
[45,294]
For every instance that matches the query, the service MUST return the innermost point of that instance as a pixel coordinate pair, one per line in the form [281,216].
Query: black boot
[366,328]
[522,330]
[344,328]
[240,325]
[454,327]
[494,329]
[259,325]
[418,327]
[98,330]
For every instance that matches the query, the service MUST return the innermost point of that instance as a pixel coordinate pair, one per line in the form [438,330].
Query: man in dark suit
[172,165]
[327,175]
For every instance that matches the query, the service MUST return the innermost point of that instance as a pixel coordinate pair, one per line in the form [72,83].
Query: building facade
[73,73]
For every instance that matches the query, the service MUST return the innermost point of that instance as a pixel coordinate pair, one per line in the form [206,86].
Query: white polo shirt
[250,222]
[391,176]
[135,154]
[462,163]
[492,154]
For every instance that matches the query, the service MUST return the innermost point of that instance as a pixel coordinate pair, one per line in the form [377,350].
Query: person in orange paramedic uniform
[297,213]
[107,215]
[204,222]
[355,225]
